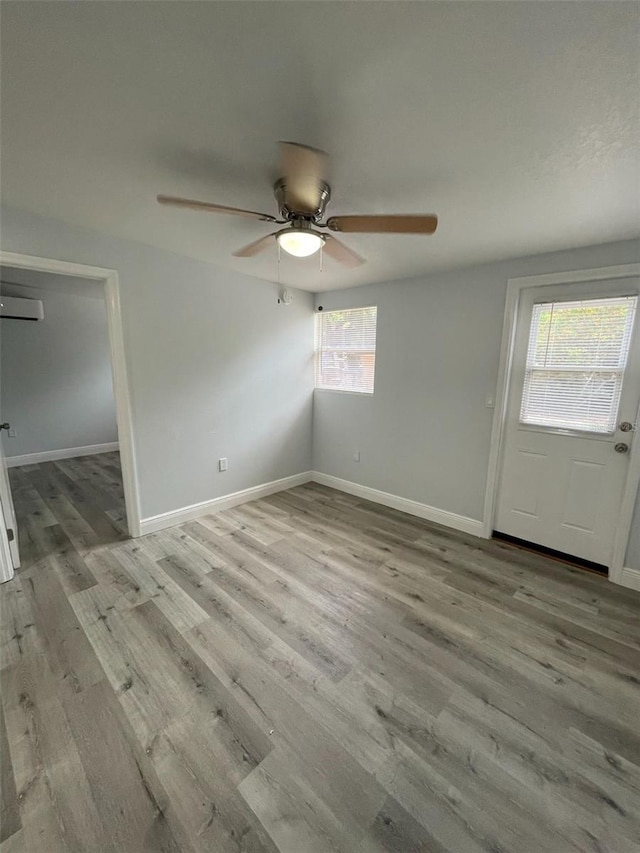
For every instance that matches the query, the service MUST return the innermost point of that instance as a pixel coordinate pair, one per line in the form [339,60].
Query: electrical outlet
[356,455]
[223,464]
[12,433]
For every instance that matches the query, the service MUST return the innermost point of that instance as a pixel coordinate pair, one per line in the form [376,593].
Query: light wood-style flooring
[307,673]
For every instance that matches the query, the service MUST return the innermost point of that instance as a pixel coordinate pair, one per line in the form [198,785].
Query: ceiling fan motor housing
[304,198]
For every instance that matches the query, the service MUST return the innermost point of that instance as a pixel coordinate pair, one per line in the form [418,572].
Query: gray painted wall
[57,389]
[425,433]
[216,367]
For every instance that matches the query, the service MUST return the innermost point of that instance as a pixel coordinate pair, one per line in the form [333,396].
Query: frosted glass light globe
[300,243]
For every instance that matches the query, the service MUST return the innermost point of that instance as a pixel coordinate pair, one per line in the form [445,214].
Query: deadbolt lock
[626,426]
[621,447]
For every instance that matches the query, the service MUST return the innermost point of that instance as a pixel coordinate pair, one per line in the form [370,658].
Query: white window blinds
[345,349]
[575,363]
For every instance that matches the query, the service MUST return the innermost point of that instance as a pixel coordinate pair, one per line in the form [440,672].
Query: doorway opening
[67,472]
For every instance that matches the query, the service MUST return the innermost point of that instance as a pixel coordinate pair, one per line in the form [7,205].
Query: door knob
[6,425]
[621,447]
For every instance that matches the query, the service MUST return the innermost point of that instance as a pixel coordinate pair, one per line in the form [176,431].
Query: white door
[8,526]
[573,404]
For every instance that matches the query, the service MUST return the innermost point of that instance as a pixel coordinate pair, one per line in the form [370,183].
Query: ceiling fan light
[300,243]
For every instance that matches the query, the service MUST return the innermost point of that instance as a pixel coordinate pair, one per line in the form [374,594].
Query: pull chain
[278,263]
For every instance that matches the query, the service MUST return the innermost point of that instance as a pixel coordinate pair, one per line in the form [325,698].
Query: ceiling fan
[302,194]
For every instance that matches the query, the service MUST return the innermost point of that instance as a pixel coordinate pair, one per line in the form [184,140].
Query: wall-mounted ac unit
[17,308]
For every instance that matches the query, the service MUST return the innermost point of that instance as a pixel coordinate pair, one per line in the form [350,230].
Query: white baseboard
[189,513]
[66,453]
[630,578]
[430,513]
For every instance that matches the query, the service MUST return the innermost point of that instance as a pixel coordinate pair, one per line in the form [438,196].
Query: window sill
[343,391]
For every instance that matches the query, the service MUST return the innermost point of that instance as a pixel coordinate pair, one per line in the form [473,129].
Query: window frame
[574,431]
[317,350]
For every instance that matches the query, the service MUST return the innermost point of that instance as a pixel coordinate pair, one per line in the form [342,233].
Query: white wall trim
[515,286]
[118,364]
[430,513]
[630,578]
[6,560]
[189,513]
[576,276]
[65,453]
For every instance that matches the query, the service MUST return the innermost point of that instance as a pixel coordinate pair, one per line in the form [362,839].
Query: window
[575,363]
[346,349]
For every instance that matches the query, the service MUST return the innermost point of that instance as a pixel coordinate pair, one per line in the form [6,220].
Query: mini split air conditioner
[17,308]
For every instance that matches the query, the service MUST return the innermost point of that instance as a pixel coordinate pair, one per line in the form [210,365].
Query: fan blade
[305,171]
[394,224]
[339,252]
[214,208]
[255,247]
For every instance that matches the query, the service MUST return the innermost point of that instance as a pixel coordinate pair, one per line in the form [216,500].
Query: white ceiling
[517,123]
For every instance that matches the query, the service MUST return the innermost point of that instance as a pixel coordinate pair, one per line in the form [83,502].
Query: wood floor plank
[246,629]
[201,776]
[148,687]
[310,672]
[14,843]
[537,777]
[180,608]
[56,807]
[68,650]
[202,689]
[291,812]
[111,575]
[19,633]
[10,822]
[88,502]
[126,796]
[252,584]
[395,831]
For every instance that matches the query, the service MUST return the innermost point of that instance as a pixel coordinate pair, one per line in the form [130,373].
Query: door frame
[515,288]
[6,560]
[110,281]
